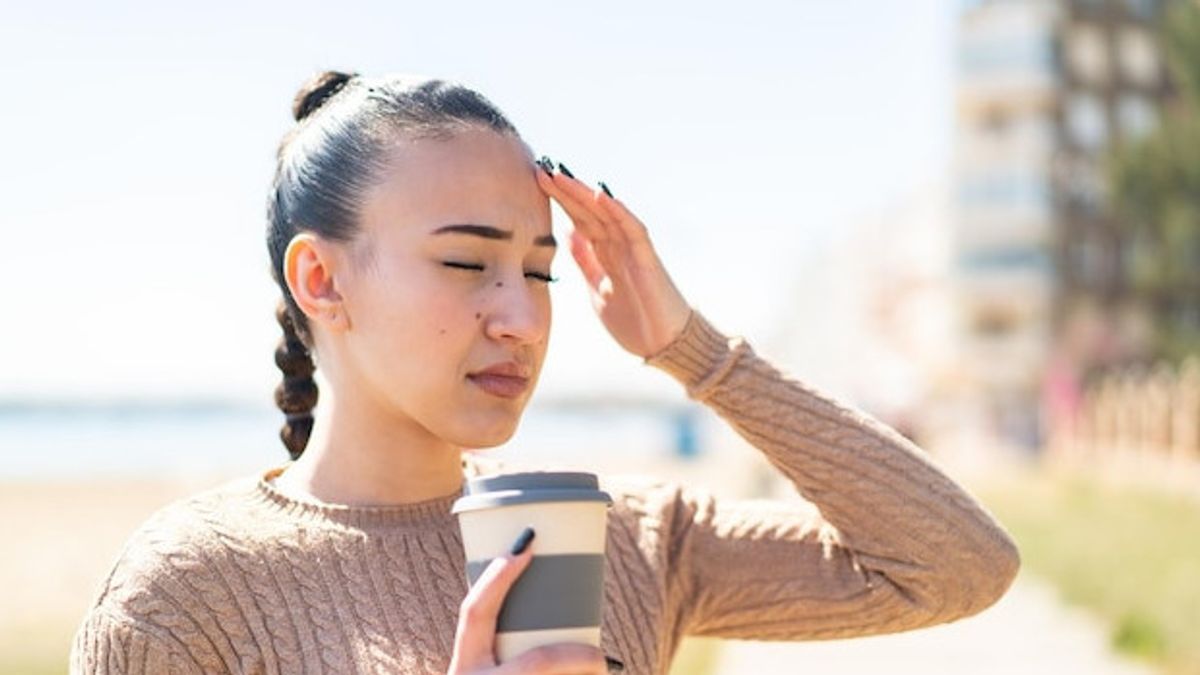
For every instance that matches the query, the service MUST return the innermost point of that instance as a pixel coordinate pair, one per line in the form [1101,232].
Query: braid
[296,396]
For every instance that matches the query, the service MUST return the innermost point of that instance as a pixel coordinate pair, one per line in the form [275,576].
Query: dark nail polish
[614,666]
[547,165]
[566,172]
[605,188]
[522,541]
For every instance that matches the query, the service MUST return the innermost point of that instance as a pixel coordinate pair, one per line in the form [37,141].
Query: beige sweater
[244,579]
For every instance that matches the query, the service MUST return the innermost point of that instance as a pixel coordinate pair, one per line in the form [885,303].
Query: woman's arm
[892,543]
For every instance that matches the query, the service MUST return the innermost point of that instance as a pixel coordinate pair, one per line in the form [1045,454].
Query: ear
[308,267]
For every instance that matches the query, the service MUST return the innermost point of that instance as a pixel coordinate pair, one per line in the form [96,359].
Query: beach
[63,536]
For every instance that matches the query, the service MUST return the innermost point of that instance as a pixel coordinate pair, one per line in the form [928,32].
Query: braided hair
[345,128]
[296,396]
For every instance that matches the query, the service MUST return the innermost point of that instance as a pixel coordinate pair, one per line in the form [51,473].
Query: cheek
[442,330]
[415,312]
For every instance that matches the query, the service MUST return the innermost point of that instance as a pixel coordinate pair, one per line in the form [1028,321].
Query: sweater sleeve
[112,645]
[882,541]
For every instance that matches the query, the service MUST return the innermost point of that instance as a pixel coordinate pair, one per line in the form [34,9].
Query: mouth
[504,386]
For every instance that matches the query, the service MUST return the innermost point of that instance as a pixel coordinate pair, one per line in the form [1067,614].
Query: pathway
[1028,631]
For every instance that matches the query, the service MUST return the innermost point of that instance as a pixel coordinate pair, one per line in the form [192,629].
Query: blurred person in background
[409,231]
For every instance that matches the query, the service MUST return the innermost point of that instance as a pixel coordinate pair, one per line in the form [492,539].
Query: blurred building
[1044,89]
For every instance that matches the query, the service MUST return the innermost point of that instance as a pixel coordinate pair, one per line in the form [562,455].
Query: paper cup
[559,597]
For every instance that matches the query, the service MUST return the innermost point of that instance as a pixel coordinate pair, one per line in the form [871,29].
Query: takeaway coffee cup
[559,597]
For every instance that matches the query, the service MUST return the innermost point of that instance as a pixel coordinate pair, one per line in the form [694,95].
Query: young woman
[410,234]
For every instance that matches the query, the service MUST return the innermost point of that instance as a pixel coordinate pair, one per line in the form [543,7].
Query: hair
[345,127]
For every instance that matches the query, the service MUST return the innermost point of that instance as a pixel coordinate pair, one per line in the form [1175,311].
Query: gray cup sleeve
[555,591]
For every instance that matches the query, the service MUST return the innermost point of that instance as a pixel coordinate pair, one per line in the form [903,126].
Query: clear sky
[139,140]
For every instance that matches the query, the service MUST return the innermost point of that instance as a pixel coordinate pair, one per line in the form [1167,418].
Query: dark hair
[338,148]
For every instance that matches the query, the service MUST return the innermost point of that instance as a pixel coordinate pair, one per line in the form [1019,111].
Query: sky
[139,142]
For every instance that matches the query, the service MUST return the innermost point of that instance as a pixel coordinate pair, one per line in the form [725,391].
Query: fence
[1148,414]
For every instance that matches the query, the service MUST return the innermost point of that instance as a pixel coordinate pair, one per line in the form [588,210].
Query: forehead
[477,176]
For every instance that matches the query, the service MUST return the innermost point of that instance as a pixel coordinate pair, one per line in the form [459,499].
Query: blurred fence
[1140,413]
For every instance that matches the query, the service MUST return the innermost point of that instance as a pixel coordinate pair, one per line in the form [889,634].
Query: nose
[520,312]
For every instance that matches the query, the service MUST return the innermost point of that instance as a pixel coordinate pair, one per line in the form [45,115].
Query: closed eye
[470,266]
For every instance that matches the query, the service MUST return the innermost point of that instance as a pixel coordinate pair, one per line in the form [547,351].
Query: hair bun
[317,90]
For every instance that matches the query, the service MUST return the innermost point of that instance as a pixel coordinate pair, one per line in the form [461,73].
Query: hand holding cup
[474,640]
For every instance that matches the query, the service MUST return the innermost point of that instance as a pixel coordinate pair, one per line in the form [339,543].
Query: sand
[62,537]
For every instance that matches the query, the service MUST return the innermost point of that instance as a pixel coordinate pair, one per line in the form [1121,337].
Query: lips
[500,385]
[507,379]
[507,369]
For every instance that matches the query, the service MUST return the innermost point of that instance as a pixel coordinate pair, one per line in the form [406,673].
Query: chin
[497,434]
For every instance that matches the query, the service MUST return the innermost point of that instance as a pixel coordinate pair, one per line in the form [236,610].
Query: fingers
[476,633]
[564,658]
[599,215]
[585,217]
[585,256]
[588,234]
[633,228]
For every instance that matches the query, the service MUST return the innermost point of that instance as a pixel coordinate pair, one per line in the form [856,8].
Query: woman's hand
[631,291]
[474,640]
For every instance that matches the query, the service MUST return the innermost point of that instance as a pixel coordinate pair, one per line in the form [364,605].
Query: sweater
[242,578]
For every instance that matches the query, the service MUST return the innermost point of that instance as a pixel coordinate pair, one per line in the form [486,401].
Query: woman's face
[430,302]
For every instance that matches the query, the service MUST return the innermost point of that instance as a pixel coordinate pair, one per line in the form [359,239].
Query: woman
[410,236]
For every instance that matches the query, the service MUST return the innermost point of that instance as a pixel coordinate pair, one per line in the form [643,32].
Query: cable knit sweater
[245,579]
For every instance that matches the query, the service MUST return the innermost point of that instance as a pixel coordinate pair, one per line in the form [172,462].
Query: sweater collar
[427,514]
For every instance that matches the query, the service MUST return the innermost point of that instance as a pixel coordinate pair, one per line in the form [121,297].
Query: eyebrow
[489,232]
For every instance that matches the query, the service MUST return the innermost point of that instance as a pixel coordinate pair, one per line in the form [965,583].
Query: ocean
[132,440]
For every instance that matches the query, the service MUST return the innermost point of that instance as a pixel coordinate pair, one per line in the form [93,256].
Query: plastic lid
[486,492]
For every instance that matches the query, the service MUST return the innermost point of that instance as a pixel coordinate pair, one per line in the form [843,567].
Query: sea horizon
[75,438]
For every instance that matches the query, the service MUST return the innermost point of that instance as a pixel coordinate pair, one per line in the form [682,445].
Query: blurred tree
[1155,189]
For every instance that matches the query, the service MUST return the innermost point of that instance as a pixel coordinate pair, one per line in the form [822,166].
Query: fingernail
[522,541]
[566,172]
[547,165]
[614,666]
[605,188]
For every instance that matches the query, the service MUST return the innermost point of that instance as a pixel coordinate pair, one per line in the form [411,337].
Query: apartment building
[1044,89]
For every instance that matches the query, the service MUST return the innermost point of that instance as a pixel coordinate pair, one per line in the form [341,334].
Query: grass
[35,647]
[696,656]
[1130,554]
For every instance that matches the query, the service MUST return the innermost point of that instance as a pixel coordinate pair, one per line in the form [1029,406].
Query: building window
[1005,189]
[1138,56]
[1037,129]
[1083,185]
[1136,115]
[1007,258]
[1087,55]
[1007,54]
[1086,122]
